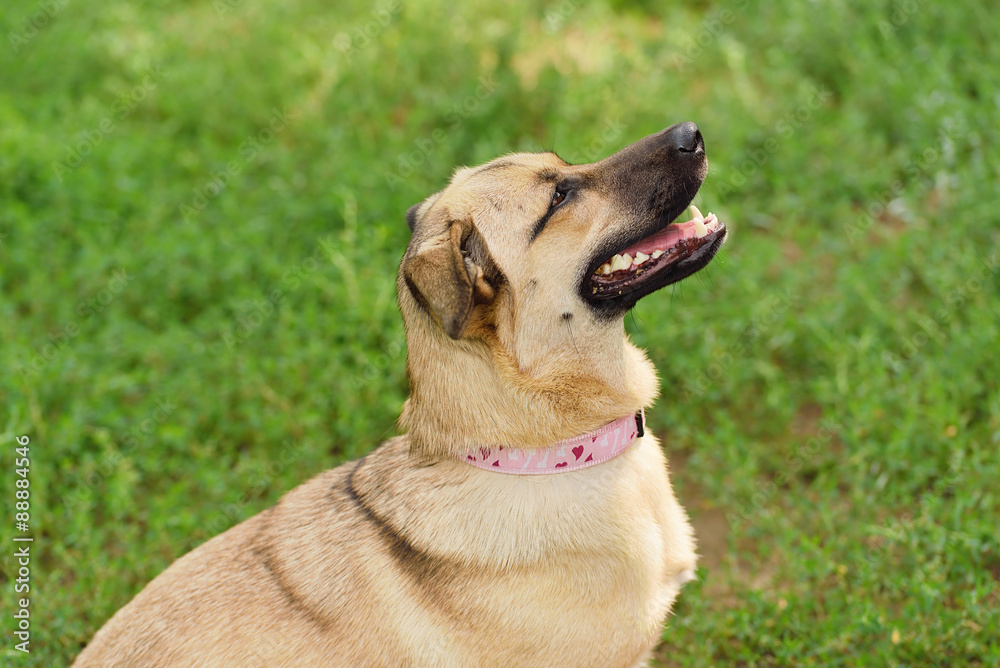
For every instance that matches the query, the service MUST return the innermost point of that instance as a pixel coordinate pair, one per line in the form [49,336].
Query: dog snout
[677,151]
[685,139]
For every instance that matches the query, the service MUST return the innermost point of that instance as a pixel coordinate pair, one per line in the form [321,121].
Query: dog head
[539,259]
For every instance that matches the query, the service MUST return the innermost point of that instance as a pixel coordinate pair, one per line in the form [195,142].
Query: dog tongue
[699,226]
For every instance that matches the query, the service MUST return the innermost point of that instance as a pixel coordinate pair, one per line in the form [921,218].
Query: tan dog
[513,290]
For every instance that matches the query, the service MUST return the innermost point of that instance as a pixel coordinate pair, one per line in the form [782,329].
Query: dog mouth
[675,252]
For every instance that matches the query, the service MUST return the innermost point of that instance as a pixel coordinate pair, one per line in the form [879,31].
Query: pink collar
[567,455]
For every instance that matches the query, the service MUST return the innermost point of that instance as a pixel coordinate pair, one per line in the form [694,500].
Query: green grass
[201,212]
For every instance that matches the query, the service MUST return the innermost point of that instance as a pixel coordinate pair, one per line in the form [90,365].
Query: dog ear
[416,212]
[442,277]
[411,216]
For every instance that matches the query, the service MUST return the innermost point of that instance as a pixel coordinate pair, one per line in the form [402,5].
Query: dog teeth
[703,225]
[619,262]
[700,231]
[625,261]
[700,228]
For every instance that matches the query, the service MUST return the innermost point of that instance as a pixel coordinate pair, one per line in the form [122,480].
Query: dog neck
[571,454]
[472,393]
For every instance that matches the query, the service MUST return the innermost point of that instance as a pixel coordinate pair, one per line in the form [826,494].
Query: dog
[525,517]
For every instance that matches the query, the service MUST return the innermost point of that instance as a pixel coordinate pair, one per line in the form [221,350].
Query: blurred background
[201,216]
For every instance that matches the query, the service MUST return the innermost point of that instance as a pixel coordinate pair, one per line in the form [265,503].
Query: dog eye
[557,199]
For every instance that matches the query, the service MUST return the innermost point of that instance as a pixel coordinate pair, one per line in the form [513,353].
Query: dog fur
[411,557]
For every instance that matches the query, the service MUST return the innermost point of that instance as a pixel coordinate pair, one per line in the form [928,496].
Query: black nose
[685,138]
